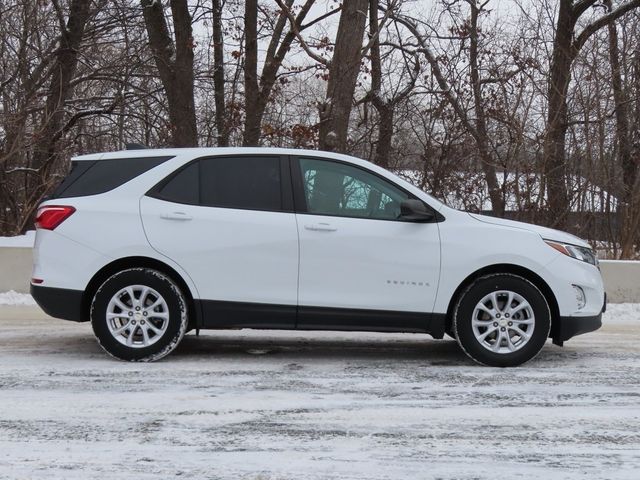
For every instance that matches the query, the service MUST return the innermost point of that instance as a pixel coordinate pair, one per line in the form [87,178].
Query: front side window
[333,188]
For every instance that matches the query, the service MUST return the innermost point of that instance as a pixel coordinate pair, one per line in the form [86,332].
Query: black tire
[470,298]
[176,318]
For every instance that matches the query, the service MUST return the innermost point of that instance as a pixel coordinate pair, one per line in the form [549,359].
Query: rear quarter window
[100,176]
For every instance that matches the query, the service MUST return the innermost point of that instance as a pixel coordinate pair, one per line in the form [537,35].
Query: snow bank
[14,298]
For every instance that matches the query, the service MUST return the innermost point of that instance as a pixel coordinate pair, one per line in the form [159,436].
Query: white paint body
[282,258]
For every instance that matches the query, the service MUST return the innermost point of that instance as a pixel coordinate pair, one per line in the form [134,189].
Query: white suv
[148,244]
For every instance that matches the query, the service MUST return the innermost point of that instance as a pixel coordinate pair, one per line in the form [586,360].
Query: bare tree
[476,126]
[343,75]
[385,106]
[566,46]
[174,61]
[218,75]
[258,93]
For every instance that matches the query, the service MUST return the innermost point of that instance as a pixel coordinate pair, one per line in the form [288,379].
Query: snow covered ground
[308,405]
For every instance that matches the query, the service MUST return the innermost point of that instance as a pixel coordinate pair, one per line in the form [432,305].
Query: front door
[360,265]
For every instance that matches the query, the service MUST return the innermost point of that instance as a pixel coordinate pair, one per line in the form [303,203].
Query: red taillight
[50,216]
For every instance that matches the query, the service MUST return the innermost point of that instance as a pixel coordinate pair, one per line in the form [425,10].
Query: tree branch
[603,21]
[296,32]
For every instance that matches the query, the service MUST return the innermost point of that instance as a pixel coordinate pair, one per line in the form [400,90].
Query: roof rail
[136,146]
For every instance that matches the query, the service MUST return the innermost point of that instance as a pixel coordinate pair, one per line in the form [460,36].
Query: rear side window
[100,176]
[241,182]
[244,182]
[182,187]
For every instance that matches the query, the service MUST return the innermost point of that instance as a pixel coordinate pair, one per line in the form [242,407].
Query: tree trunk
[623,145]
[482,138]
[218,76]
[251,121]
[343,75]
[386,114]
[175,66]
[60,87]
[554,141]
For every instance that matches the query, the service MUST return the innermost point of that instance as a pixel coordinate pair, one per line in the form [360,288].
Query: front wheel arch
[515,270]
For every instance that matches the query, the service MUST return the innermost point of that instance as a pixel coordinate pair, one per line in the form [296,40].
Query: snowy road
[291,405]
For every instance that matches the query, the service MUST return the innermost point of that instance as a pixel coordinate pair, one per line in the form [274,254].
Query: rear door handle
[176,216]
[321,227]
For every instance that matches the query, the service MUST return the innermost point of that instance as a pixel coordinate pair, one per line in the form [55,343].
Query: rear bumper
[59,302]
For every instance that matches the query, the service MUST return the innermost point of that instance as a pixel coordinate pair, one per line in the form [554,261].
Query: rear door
[228,221]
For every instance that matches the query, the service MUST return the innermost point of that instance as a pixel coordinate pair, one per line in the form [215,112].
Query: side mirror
[415,211]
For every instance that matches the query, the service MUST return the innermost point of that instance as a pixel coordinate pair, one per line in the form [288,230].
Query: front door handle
[321,227]
[176,216]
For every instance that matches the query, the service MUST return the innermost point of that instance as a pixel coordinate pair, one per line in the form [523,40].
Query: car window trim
[300,200]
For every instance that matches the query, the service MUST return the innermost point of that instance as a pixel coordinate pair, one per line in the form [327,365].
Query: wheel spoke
[164,315]
[519,307]
[155,304]
[131,334]
[483,307]
[484,335]
[132,296]
[155,329]
[124,314]
[496,346]
[482,323]
[145,335]
[507,306]
[121,305]
[524,321]
[494,301]
[522,333]
[119,330]
[143,296]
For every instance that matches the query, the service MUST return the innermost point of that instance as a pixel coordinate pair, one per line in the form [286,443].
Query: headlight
[579,253]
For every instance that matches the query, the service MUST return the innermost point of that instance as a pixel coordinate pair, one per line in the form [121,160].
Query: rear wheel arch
[523,272]
[140,262]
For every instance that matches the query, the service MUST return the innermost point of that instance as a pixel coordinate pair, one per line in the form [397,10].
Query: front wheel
[139,315]
[501,320]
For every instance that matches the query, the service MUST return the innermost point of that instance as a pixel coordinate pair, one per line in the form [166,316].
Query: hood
[544,232]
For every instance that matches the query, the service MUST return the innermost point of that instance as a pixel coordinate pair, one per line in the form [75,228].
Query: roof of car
[196,152]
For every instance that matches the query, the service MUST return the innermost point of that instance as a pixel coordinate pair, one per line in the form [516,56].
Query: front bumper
[59,302]
[569,327]
[572,326]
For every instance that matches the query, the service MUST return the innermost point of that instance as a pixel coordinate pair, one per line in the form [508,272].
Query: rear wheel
[502,320]
[139,314]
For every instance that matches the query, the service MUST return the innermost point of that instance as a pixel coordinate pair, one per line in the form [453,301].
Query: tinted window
[77,170]
[182,187]
[241,182]
[332,188]
[100,176]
